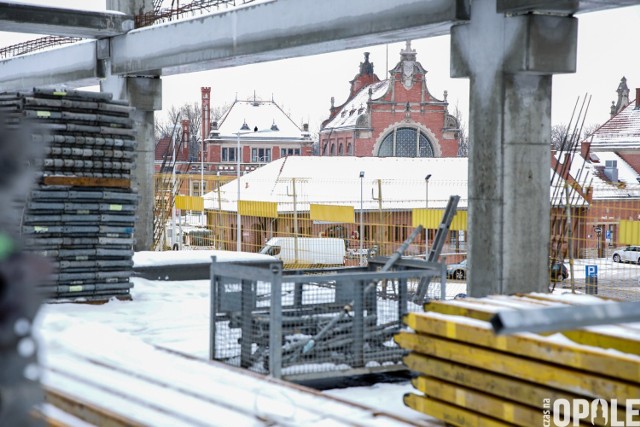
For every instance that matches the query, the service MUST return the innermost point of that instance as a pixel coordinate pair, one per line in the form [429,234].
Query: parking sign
[591,270]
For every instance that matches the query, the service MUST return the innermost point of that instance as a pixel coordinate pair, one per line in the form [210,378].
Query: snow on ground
[155,258]
[175,315]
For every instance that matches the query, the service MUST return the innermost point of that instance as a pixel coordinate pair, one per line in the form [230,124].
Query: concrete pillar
[510,56]
[145,94]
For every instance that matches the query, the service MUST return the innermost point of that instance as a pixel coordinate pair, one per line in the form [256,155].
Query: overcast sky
[304,86]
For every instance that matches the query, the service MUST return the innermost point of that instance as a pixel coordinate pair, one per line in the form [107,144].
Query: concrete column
[145,94]
[510,56]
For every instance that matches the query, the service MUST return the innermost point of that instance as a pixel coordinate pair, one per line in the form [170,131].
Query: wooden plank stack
[468,376]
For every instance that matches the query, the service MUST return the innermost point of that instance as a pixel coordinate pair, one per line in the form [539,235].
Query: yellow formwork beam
[478,401]
[461,308]
[528,345]
[527,369]
[450,414]
[603,340]
[494,383]
[591,336]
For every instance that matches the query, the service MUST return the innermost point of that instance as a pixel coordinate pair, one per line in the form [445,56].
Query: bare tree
[166,127]
[463,144]
[175,115]
[559,134]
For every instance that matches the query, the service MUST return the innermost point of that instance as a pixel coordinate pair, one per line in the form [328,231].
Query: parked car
[457,271]
[628,254]
[558,271]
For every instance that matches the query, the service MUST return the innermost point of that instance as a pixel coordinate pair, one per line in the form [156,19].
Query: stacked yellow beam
[468,376]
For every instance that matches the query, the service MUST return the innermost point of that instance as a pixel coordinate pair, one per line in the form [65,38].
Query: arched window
[333,149]
[341,150]
[405,142]
[350,149]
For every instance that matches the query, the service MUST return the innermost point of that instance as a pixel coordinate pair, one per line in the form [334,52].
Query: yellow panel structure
[559,377]
[474,309]
[524,392]
[629,232]
[480,402]
[189,203]
[431,218]
[451,414]
[332,213]
[257,208]
[586,358]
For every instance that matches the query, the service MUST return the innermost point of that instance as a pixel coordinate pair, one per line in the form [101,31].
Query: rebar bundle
[81,213]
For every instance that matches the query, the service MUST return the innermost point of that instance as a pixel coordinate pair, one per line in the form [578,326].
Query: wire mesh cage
[312,324]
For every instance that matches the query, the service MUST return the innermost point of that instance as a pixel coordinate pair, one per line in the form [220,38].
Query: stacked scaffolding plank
[81,213]
[120,381]
[468,376]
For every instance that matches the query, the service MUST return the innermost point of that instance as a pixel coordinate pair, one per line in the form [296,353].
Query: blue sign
[591,270]
[608,234]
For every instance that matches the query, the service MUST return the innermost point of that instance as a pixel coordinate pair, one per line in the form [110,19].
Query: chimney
[637,99]
[566,166]
[585,147]
[184,151]
[611,170]
[305,127]
[205,104]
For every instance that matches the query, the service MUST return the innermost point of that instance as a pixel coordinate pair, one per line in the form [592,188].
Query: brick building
[262,130]
[397,117]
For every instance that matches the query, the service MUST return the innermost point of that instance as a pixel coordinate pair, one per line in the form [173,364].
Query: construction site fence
[588,236]
[302,325]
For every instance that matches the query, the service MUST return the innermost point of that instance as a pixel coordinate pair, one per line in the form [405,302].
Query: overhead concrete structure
[254,33]
[509,49]
[144,92]
[510,60]
[25,18]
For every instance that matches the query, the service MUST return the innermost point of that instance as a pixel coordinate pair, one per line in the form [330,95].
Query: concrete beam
[263,32]
[72,63]
[560,7]
[278,30]
[25,18]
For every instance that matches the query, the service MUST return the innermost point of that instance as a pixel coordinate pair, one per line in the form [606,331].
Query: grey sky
[304,86]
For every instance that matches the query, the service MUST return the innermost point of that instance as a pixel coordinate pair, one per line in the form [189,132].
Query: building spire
[408,54]
[366,67]
[623,94]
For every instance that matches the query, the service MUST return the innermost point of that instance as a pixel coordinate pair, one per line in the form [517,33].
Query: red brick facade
[395,117]
[264,133]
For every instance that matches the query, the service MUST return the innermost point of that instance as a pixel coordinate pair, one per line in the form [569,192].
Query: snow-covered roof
[620,132]
[335,180]
[591,174]
[357,106]
[264,120]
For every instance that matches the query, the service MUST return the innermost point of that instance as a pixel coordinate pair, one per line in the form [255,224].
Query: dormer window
[245,126]
[274,126]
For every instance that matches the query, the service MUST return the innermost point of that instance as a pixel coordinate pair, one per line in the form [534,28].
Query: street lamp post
[426,205]
[238,219]
[361,221]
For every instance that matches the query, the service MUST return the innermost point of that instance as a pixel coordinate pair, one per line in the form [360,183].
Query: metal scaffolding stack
[81,213]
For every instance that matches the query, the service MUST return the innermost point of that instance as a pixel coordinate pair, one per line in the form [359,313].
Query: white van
[311,251]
